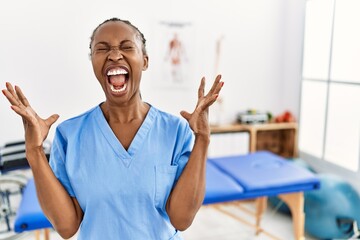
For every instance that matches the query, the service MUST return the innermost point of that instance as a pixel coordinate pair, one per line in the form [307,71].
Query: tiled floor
[211,224]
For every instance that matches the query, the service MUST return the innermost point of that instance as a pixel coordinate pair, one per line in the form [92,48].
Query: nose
[115,54]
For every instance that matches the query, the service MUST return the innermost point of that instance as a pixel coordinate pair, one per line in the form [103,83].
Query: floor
[211,224]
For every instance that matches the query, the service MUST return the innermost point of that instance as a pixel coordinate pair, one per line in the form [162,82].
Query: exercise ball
[331,210]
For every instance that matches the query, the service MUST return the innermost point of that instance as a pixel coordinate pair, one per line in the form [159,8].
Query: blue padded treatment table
[29,215]
[220,187]
[257,176]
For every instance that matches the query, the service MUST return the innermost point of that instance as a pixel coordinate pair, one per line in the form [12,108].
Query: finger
[208,102]
[21,96]
[201,88]
[212,99]
[218,87]
[185,115]
[215,84]
[12,98]
[52,119]
[10,88]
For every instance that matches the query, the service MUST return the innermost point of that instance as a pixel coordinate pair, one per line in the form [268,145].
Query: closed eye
[102,49]
[126,48]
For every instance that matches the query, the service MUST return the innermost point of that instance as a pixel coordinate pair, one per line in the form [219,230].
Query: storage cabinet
[279,138]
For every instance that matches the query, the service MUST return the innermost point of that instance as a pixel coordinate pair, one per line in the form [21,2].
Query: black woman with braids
[124,169]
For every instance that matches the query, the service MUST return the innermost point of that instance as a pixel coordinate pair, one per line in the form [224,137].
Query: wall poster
[175,40]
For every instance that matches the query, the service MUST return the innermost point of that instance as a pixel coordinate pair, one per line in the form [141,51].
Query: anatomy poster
[174,58]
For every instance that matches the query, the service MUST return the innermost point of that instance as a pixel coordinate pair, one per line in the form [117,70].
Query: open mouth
[117,79]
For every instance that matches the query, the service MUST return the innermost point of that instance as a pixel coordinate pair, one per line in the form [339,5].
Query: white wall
[44,49]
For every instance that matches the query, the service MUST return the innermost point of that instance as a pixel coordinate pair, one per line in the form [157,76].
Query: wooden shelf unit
[279,138]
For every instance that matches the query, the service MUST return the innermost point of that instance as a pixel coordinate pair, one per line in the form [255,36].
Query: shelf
[279,138]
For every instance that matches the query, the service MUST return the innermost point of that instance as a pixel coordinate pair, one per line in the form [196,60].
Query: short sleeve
[185,146]
[57,162]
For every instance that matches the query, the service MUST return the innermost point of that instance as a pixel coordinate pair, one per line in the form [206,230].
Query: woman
[124,169]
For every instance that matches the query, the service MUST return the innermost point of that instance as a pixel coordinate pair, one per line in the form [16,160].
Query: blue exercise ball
[331,211]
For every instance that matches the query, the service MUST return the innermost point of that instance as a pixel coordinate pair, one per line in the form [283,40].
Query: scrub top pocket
[164,181]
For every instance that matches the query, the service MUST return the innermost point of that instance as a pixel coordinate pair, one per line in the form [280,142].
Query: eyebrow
[106,43]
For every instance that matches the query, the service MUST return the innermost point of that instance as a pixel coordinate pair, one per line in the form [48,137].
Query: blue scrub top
[122,193]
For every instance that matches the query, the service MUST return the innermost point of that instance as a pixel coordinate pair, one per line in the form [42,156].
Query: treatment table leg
[295,201]
[261,205]
[46,234]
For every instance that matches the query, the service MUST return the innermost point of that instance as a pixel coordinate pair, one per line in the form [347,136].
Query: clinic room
[202,119]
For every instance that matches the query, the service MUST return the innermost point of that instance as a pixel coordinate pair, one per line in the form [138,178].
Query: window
[329,130]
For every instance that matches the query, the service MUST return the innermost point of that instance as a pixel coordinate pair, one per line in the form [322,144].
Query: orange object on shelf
[287,116]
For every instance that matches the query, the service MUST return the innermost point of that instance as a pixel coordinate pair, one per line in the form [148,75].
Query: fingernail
[3,91]
[222,84]
[217,95]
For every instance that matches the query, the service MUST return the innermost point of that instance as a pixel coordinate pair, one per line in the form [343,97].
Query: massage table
[29,216]
[228,180]
[257,176]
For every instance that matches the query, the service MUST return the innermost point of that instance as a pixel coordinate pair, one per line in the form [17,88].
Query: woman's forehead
[115,30]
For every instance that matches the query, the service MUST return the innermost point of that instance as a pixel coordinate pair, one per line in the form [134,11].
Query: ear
[146,62]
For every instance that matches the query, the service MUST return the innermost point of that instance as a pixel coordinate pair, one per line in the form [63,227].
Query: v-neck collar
[126,156]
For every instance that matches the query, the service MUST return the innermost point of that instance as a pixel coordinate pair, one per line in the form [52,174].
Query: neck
[125,113]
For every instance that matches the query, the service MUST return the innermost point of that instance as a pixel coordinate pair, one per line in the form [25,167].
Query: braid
[140,34]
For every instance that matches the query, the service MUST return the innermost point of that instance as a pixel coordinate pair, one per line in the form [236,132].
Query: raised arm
[62,210]
[187,196]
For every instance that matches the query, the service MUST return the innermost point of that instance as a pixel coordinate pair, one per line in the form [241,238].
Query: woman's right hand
[36,128]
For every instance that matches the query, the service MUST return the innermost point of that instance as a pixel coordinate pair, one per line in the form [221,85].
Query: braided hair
[140,35]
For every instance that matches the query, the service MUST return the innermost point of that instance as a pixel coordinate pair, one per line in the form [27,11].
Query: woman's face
[118,61]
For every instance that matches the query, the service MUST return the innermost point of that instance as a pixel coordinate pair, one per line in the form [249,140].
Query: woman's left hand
[198,119]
